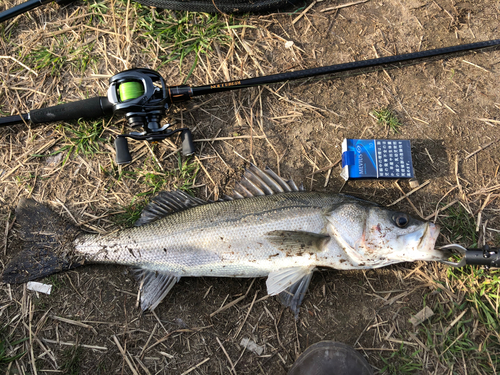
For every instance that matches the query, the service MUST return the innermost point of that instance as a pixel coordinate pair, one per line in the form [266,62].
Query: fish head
[372,236]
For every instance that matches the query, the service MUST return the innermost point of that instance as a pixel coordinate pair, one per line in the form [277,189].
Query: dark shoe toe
[330,358]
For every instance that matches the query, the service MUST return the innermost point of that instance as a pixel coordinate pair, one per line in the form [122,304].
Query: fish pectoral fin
[297,242]
[155,285]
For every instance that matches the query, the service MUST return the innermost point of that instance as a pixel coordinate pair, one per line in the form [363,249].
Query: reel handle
[121,145]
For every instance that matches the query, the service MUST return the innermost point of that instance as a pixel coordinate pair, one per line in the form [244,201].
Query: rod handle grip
[87,109]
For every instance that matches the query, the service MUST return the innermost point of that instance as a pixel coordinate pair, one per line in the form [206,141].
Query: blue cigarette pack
[376,158]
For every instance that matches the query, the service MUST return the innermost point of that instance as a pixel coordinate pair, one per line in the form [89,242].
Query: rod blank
[21,8]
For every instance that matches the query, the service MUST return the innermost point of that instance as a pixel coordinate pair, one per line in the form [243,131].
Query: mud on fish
[268,227]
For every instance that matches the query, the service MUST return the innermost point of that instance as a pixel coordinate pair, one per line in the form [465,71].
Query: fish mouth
[428,242]
[434,230]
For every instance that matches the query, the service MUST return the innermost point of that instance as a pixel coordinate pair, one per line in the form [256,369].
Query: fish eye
[401,220]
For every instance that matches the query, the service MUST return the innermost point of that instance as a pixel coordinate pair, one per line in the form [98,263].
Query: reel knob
[188,147]
[122,152]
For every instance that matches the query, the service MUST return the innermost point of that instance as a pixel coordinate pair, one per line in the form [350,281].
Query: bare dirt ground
[449,108]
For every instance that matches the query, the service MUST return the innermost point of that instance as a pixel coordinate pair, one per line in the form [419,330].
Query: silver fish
[269,227]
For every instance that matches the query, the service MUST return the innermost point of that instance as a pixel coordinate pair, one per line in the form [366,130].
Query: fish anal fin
[297,242]
[278,281]
[155,285]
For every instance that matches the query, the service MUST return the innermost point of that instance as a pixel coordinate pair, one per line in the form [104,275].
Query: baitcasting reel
[141,95]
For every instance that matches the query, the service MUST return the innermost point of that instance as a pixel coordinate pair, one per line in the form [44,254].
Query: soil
[449,108]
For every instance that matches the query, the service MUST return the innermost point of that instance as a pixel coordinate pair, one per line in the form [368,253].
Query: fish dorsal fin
[254,182]
[291,284]
[155,285]
[166,203]
[297,242]
[257,182]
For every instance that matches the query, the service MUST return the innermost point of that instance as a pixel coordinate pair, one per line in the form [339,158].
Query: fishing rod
[142,96]
[27,6]
[206,6]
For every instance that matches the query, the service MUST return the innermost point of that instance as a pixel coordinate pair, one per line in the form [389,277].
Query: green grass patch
[185,175]
[468,342]
[83,56]
[403,361]
[6,36]
[8,350]
[183,33]
[181,178]
[85,138]
[480,286]
[96,10]
[482,289]
[464,330]
[61,55]
[154,181]
[460,225]
[131,213]
[387,118]
[44,57]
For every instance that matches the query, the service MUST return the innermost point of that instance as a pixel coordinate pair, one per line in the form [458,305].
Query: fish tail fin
[48,244]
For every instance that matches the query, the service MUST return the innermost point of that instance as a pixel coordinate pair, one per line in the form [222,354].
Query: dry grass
[449,108]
